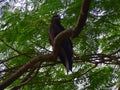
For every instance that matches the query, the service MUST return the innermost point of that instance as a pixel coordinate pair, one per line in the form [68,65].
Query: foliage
[24,35]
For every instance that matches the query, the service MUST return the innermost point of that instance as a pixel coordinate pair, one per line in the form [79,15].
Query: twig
[71,79]
[115,52]
[23,54]
[10,69]
[28,78]
[13,48]
[88,70]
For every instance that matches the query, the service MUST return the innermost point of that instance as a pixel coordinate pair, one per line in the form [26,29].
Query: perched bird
[65,52]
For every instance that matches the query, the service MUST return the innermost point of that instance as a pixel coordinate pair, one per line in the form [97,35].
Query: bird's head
[55,18]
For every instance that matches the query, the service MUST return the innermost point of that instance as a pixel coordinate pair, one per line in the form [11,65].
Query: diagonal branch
[82,18]
[78,28]
[13,48]
[115,52]
[23,69]
[28,77]
[9,46]
[72,78]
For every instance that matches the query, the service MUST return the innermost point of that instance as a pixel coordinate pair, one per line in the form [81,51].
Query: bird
[65,52]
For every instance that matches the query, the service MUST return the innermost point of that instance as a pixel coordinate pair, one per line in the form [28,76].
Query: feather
[65,52]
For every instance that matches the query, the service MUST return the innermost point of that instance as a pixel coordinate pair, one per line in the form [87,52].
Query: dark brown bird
[65,52]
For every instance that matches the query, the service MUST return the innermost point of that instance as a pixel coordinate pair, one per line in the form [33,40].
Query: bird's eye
[56,16]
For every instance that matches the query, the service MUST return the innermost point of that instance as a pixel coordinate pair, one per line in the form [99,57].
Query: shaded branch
[27,79]
[23,69]
[10,69]
[73,77]
[13,48]
[82,18]
[78,28]
[9,46]
[22,54]
[115,52]
[99,58]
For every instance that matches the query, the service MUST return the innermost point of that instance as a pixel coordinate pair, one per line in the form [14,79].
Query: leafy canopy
[24,29]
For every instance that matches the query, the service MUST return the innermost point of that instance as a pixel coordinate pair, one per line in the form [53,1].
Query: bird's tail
[66,60]
[68,67]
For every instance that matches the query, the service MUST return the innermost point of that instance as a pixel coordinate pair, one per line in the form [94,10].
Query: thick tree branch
[82,18]
[99,58]
[78,28]
[23,69]
[27,79]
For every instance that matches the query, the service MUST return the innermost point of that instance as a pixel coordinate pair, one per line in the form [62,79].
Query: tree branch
[82,18]
[27,79]
[23,69]
[23,54]
[73,77]
[78,28]
[13,48]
